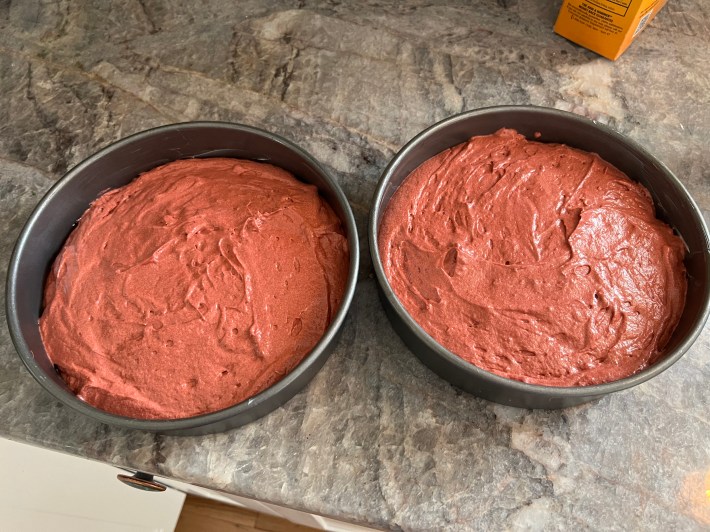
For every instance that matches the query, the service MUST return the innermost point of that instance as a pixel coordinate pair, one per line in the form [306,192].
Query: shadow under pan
[673,205]
[116,165]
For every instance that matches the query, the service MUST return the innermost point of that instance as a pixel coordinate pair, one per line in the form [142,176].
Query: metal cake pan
[673,205]
[116,165]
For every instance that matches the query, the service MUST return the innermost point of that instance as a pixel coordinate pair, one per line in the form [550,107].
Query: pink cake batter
[537,262]
[193,288]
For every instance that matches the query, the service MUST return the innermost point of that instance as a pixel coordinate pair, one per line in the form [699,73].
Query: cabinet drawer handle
[142,481]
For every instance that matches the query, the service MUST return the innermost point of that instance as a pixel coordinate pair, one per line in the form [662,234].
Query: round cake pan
[673,205]
[115,166]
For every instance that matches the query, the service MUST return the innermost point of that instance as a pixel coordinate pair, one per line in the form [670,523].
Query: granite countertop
[376,438]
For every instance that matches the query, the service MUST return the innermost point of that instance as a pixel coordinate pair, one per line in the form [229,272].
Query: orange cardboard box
[606,27]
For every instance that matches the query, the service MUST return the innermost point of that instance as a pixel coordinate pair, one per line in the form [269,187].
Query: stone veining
[375,438]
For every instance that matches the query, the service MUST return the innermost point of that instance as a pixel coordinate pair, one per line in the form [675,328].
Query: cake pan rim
[280,391]
[473,370]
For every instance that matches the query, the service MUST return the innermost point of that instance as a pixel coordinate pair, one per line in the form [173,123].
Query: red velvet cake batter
[537,262]
[193,288]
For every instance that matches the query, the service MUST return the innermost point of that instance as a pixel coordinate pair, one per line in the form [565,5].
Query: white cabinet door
[47,490]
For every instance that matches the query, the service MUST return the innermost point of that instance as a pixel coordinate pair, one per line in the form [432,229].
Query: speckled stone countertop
[376,438]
